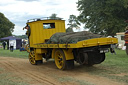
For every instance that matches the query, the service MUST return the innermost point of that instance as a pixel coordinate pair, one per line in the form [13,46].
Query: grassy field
[15,53]
[114,67]
[9,79]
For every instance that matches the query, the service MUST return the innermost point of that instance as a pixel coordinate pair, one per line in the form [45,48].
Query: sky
[19,11]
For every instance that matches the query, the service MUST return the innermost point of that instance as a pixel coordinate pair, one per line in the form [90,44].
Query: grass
[15,53]
[8,79]
[114,67]
[117,66]
[119,61]
[70,79]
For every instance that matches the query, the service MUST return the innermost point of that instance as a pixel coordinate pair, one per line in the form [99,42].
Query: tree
[54,16]
[6,26]
[69,30]
[22,36]
[73,22]
[104,17]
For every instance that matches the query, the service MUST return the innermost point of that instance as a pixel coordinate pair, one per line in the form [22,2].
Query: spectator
[126,39]
[4,45]
[11,46]
[23,43]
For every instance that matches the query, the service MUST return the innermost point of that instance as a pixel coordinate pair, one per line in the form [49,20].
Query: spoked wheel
[32,58]
[60,60]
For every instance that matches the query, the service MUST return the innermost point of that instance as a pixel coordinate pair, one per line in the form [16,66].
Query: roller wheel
[60,60]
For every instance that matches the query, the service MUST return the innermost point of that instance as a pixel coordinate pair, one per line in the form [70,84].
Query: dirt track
[48,74]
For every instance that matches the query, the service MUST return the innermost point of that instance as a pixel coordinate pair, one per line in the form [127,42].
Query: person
[23,43]
[7,45]
[11,46]
[126,39]
[4,45]
[28,30]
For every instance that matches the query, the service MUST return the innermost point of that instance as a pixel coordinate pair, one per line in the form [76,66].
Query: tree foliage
[73,22]
[22,36]
[69,30]
[104,17]
[54,16]
[6,26]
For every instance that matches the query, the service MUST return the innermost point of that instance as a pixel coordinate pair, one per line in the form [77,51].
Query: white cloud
[19,31]
[27,0]
[19,11]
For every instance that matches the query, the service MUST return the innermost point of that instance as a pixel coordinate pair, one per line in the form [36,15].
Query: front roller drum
[61,62]
[32,59]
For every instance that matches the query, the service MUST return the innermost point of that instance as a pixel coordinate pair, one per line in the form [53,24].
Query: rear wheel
[95,58]
[61,62]
[82,58]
